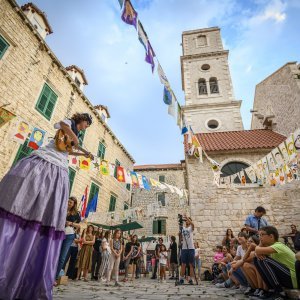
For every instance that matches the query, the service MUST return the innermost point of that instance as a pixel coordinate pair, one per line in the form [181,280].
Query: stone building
[163,222]
[210,104]
[213,208]
[39,89]
[277,100]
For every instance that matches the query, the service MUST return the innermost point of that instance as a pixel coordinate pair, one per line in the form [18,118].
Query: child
[105,255]
[217,259]
[163,257]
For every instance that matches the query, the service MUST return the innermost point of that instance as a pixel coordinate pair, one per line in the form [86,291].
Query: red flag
[84,202]
[120,174]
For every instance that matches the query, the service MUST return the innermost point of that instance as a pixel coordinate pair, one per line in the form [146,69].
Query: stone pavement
[143,289]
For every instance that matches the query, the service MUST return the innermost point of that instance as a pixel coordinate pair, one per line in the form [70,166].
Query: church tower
[210,105]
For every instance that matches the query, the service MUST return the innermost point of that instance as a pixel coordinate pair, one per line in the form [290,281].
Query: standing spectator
[72,221]
[188,249]
[295,237]
[114,260]
[96,257]
[157,249]
[173,256]
[73,252]
[275,262]
[105,256]
[127,256]
[86,252]
[163,258]
[227,239]
[256,221]
[136,249]
[197,259]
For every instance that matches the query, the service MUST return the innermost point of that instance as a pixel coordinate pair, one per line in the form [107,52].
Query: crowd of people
[256,262]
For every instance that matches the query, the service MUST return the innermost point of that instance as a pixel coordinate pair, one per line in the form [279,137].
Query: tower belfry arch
[210,104]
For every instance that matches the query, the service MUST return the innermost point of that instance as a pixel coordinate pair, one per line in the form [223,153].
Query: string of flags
[277,168]
[130,16]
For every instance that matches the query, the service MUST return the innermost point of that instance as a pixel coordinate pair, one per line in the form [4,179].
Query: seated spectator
[275,263]
[227,238]
[223,263]
[297,268]
[217,259]
[295,237]
[256,221]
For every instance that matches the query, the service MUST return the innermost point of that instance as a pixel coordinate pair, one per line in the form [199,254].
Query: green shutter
[112,203]
[93,191]
[126,206]
[162,199]
[163,227]
[101,150]
[155,227]
[72,174]
[128,186]
[161,178]
[23,151]
[3,46]
[81,137]
[46,102]
[118,164]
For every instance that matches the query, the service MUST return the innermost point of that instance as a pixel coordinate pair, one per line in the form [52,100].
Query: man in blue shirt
[256,221]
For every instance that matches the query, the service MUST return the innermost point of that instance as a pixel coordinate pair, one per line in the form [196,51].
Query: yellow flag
[154,182]
[84,163]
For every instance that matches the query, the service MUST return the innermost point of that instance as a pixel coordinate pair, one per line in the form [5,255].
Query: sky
[260,35]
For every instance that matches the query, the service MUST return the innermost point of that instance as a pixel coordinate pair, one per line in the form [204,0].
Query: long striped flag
[84,203]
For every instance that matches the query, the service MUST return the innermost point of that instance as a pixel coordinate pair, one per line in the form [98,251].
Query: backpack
[297,241]
[207,276]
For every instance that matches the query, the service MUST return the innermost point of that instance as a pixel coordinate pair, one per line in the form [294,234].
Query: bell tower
[210,105]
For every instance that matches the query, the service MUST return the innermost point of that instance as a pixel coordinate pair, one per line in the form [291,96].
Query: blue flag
[146,183]
[167,96]
[92,205]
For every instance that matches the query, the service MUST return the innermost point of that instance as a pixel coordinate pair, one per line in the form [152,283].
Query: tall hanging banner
[142,35]
[21,132]
[162,76]
[36,138]
[5,116]
[84,203]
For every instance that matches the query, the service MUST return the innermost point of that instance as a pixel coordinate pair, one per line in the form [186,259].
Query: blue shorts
[188,256]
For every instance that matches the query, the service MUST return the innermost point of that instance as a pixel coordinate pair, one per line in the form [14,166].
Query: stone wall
[215,209]
[26,66]
[279,95]
[141,198]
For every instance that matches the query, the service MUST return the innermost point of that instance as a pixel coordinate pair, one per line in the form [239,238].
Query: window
[101,150]
[161,197]
[81,137]
[46,102]
[93,191]
[118,164]
[212,124]
[72,174]
[23,151]
[159,227]
[201,41]
[213,84]
[161,178]
[77,82]
[233,168]
[202,86]
[205,67]
[128,186]
[126,206]
[112,203]
[3,46]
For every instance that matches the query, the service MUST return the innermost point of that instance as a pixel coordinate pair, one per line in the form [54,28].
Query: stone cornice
[47,49]
[236,103]
[201,30]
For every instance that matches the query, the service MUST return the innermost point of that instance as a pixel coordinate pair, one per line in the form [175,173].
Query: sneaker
[181,281]
[249,291]
[117,284]
[264,295]
[191,282]
[220,285]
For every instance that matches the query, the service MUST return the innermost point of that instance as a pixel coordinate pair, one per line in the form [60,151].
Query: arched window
[202,86]
[201,40]
[234,167]
[213,84]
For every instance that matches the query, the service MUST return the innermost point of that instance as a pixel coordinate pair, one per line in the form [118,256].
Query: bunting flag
[265,166]
[271,162]
[121,2]
[128,179]
[288,173]
[92,205]
[150,56]
[5,116]
[284,152]
[251,174]
[84,203]
[104,167]
[95,162]
[172,108]
[36,138]
[134,178]
[140,180]
[167,96]
[146,183]
[296,137]
[179,116]
[184,129]
[162,76]
[199,153]
[20,132]
[242,177]
[73,161]
[142,35]
[154,182]
[84,163]
[129,15]
[291,150]
[112,168]
[120,174]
